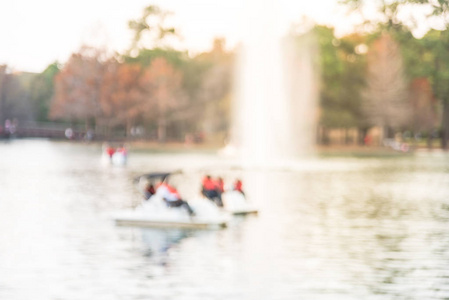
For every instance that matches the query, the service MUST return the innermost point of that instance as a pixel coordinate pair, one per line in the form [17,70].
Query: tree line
[383,77]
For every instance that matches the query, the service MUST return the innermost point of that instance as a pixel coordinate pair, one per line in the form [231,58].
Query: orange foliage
[164,83]
[424,105]
[77,88]
[115,93]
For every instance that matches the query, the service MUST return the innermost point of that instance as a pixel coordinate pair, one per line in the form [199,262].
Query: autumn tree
[166,92]
[124,95]
[424,108]
[117,95]
[385,97]
[434,44]
[78,86]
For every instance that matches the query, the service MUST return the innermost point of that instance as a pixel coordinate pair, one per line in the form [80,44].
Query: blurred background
[334,114]
[380,70]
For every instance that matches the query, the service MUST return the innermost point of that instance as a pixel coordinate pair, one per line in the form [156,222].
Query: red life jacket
[208,184]
[110,151]
[238,186]
[171,189]
[219,184]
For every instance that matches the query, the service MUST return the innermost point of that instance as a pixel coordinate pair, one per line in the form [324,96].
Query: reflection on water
[159,241]
[332,228]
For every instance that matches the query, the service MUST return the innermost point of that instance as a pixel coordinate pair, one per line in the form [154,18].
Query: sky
[34,34]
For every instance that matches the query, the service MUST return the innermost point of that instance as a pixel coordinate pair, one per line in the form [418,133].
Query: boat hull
[235,203]
[243,212]
[168,224]
[155,213]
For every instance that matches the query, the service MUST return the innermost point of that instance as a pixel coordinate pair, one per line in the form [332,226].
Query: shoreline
[320,149]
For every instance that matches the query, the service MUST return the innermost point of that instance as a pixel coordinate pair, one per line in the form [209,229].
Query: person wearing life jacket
[219,187]
[172,198]
[208,187]
[238,186]
[209,190]
[122,150]
[149,191]
[110,151]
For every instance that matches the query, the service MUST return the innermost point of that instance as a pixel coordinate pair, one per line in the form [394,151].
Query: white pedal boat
[155,213]
[119,157]
[235,203]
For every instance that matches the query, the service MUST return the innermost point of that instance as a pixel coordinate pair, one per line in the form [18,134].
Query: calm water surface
[328,228]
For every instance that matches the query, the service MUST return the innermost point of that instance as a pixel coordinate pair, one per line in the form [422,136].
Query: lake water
[328,228]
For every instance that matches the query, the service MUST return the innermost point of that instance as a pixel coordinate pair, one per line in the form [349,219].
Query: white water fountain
[275,91]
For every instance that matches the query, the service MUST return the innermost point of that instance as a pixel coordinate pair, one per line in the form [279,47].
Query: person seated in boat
[209,190]
[208,187]
[149,191]
[238,186]
[110,151]
[122,150]
[219,187]
[172,197]
[219,184]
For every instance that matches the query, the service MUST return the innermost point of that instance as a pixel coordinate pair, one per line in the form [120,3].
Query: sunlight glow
[38,33]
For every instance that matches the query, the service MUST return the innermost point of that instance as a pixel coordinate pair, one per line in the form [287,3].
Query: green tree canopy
[41,91]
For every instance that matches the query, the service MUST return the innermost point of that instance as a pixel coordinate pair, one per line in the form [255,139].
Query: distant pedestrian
[367,140]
